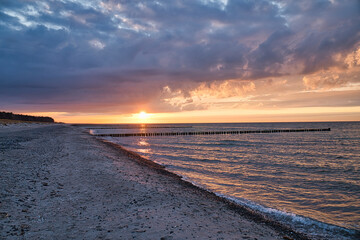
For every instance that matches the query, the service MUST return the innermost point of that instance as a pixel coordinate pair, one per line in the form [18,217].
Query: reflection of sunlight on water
[144,150]
[143,142]
[142,128]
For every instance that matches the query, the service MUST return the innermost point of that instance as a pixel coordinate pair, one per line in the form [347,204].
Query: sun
[143,115]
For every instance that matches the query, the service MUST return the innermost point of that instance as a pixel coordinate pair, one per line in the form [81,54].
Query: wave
[281,160]
[301,224]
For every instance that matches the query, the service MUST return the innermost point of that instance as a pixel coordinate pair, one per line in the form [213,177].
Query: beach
[59,182]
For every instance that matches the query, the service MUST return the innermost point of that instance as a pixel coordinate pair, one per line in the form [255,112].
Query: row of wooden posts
[210,132]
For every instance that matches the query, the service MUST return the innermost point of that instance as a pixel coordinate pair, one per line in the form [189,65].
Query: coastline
[60,182]
[288,225]
[241,210]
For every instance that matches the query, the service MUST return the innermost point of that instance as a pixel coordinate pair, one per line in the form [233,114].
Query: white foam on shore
[305,225]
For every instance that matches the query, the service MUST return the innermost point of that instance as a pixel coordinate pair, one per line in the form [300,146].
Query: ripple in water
[309,180]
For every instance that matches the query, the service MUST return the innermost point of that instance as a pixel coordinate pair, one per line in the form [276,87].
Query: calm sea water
[309,180]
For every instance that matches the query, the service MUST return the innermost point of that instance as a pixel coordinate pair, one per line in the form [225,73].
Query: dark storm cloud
[120,52]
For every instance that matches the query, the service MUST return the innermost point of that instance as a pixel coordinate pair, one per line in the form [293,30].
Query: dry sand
[58,182]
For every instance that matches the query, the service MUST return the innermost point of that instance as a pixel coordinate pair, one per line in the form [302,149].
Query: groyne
[150,134]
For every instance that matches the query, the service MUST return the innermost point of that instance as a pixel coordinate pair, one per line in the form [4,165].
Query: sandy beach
[59,182]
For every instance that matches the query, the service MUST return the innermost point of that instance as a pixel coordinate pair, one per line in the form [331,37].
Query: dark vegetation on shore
[21,117]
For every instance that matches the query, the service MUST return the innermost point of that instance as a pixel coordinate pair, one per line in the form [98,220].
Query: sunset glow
[223,61]
[143,115]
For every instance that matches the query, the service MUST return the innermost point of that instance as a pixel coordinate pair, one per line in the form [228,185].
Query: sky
[105,61]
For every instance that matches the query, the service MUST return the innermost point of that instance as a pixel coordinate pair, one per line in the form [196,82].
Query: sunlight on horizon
[309,114]
[141,117]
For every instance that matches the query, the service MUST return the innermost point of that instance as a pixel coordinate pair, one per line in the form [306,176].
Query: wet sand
[58,182]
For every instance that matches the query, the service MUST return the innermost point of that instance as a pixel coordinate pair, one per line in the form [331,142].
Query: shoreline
[317,222]
[60,182]
[242,210]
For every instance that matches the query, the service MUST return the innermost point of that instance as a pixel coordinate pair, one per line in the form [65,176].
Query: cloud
[112,55]
[97,44]
[323,80]
[349,72]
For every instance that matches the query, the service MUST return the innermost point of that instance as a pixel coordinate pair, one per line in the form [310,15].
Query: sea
[309,181]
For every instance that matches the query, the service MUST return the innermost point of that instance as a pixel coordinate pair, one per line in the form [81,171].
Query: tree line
[21,117]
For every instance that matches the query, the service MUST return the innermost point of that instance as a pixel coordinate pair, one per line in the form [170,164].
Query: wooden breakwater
[210,132]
